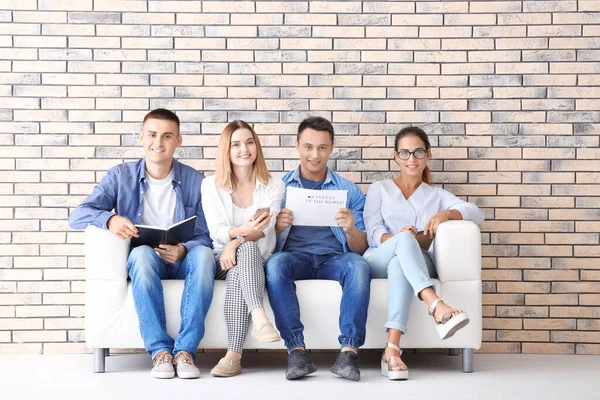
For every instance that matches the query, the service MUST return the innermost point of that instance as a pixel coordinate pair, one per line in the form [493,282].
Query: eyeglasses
[405,154]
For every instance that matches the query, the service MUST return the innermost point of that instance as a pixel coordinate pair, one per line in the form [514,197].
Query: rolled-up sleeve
[469,211]
[373,217]
[97,208]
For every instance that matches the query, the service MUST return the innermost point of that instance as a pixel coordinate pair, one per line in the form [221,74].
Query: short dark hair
[317,124]
[164,114]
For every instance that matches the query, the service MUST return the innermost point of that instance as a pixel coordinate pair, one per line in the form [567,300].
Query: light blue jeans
[407,268]
[146,269]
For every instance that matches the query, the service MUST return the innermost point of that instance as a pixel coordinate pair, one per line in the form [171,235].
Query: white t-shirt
[241,215]
[158,208]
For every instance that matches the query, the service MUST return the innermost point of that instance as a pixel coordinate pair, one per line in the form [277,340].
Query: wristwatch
[240,239]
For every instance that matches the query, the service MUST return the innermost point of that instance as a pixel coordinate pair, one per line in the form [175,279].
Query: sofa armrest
[457,251]
[105,255]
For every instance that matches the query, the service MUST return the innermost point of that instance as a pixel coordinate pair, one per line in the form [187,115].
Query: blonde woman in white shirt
[241,202]
[395,211]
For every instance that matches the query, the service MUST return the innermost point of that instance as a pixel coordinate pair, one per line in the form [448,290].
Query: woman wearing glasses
[396,211]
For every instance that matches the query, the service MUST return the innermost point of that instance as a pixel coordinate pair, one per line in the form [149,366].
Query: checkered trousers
[245,287]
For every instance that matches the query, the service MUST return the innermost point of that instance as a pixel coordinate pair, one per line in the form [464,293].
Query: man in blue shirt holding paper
[330,253]
[158,190]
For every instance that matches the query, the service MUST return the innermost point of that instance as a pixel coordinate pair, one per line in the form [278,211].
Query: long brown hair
[224,173]
[420,133]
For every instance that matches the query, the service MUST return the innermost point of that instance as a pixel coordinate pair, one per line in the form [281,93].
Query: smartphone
[261,211]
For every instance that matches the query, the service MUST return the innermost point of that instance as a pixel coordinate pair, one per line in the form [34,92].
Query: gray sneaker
[184,364]
[163,366]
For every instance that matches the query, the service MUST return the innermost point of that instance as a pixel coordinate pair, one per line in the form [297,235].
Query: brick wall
[508,90]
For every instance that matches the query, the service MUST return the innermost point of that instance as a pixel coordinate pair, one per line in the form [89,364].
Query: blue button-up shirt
[355,202]
[122,189]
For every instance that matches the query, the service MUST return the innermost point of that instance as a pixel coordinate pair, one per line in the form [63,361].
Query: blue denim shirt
[123,188]
[333,181]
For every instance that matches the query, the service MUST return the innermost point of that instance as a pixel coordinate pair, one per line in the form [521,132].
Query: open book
[153,235]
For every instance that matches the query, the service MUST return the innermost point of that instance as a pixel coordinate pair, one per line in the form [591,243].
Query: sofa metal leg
[467,360]
[453,352]
[99,355]
[107,352]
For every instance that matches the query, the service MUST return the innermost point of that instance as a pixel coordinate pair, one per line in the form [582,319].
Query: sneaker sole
[188,375]
[346,373]
[299,373]
[163,375]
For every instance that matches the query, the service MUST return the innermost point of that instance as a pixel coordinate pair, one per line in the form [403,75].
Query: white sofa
[111,320]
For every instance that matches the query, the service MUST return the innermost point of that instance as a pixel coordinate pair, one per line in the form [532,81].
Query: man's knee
[357,267]
[277,267]
[201,261]
[142,263]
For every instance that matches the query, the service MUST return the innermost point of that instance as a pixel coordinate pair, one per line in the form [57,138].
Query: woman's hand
[256,225]
[409,228]
[432,225]
[228,258]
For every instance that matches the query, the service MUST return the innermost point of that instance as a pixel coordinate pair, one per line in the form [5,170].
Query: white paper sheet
[315,207]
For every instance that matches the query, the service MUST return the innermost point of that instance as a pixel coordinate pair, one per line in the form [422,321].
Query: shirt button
[139,213]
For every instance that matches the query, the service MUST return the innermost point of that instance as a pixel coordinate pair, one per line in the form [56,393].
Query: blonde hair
[224,173]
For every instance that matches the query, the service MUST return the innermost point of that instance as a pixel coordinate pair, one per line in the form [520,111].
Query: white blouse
[387,211]
[218,211]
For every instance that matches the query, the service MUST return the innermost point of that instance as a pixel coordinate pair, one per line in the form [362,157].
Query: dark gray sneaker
[346,366]
[299,365]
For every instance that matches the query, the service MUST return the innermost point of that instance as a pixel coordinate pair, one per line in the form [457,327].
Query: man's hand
[432,225]
[409,228]
[228,258]
[121,227]
[345,220]
[171,253]
[285,219]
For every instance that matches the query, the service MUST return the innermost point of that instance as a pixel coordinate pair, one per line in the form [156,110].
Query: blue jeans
[146,269]
[408,268]
[349,269]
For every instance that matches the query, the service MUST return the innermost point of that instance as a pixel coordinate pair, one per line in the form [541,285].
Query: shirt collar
[295,176]
[176,168]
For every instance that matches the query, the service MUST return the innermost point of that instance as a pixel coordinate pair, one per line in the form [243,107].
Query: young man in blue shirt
[331,253]
[158,190]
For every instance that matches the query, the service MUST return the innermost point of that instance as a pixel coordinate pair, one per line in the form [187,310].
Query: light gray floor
[432,376]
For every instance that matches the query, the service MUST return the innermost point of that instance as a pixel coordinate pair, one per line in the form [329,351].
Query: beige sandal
[394,368]
[451,322]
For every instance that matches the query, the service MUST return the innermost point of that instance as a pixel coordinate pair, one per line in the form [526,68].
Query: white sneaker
[184,365]
[163,366]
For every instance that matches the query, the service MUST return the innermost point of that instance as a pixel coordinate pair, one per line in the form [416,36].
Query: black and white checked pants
[245,287]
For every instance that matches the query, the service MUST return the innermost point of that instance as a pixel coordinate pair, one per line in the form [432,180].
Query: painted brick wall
[508,90]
